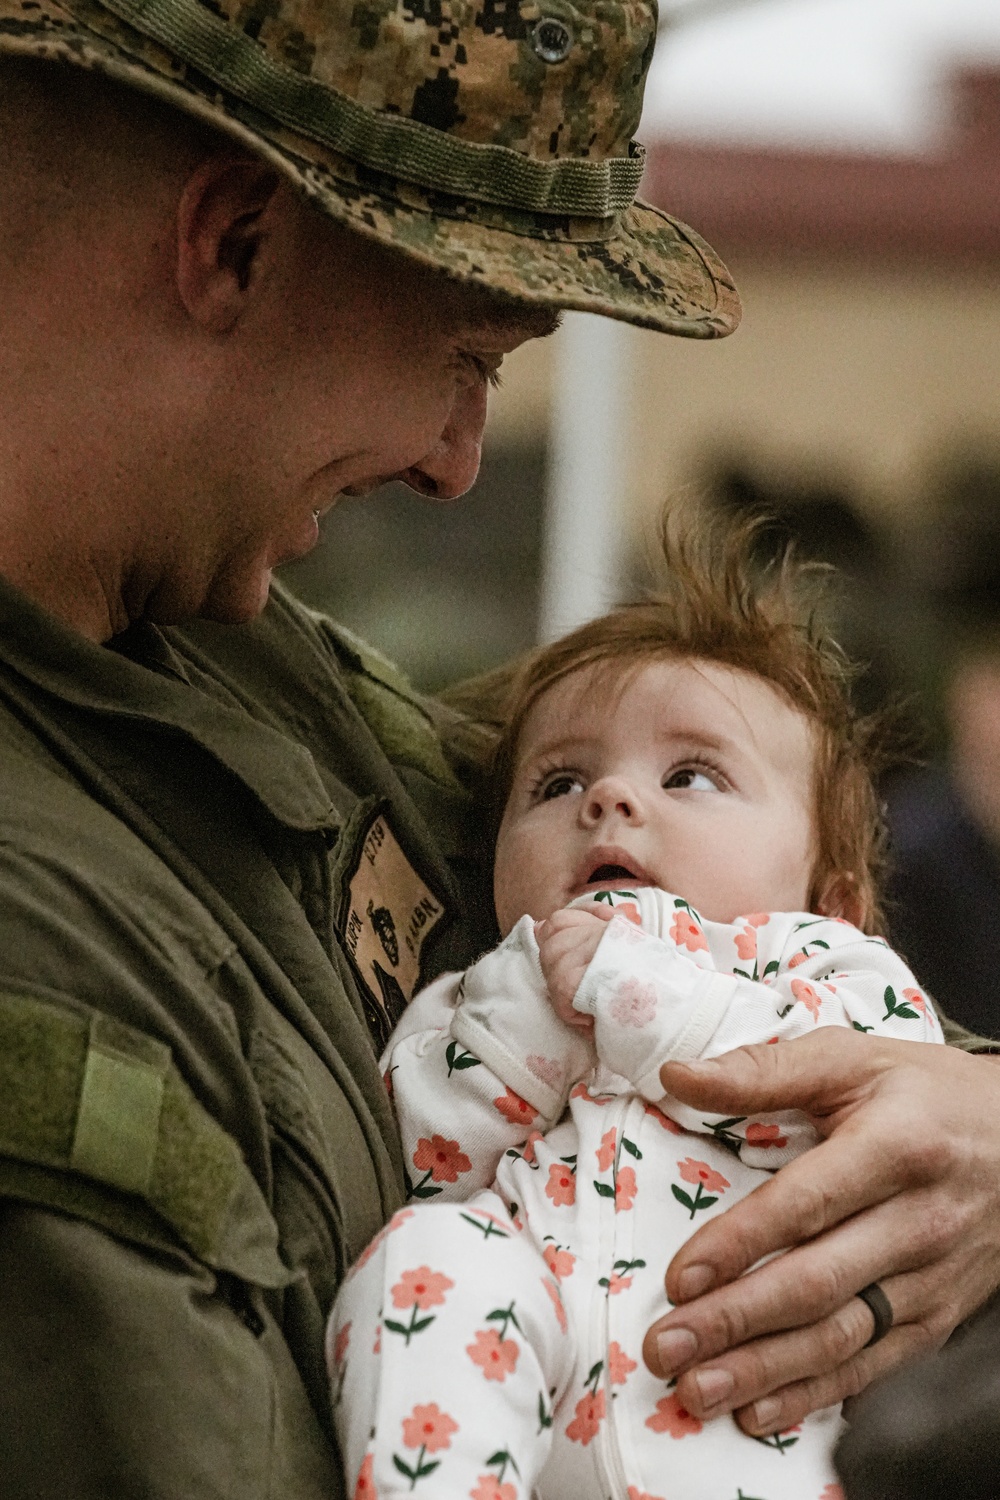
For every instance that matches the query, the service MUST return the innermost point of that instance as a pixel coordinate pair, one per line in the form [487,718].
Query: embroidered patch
[391,912]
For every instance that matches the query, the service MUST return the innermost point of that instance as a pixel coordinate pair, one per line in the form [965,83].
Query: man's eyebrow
[508,317]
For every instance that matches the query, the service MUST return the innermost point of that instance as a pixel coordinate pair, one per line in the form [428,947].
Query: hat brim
[642,267]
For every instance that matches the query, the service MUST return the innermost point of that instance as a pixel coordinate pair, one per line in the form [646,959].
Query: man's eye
[487,369]
[690,778]
[559,786]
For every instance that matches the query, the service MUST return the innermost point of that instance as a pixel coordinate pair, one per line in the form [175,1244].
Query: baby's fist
[567,942]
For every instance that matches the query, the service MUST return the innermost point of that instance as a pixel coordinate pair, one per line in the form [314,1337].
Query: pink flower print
[560,1262]
[528,1149]
[917,999]
[581,1091]
[489,1487]
[832,1492]
[686,932]
[634,1494]
[630,912]
[440,1159]
[496,1357]
[756,919]
[340,1344]
[746,943]
[545,1068]
[807,996]
[765,1136]
[429,1427]
[387,1080]
[620,1366]
[588,1418]
[421,1288]
[703,1177]
[670,1416]
[618,1284]
[606,1150]
[515,1109]
[364,1488]
[634,1004]
[664,1119]
[625,1190]
[697,1172]
[561,1186]
[557,1302]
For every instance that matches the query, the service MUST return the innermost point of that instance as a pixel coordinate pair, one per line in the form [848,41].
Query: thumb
[819,1073]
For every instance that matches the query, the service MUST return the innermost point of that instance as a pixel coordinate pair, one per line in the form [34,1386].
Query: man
[254,258]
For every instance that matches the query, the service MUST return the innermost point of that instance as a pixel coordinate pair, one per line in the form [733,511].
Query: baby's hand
[567,942]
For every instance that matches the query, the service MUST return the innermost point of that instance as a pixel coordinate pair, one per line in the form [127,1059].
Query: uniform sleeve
[665,999]
[124,1373]
[479,1062]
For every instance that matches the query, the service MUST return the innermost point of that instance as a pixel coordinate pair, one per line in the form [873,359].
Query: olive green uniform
[188,1051]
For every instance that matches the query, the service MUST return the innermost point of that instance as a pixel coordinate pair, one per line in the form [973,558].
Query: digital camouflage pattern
[492,139]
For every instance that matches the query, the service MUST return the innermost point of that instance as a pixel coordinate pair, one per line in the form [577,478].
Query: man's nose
[451,466]
[609,796]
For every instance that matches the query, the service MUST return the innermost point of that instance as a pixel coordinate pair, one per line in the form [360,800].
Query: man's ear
[840,897]
[224,218]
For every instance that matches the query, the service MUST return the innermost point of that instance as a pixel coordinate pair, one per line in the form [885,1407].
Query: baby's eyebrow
[701,739]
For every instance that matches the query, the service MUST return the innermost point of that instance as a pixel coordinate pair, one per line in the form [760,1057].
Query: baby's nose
[612,794]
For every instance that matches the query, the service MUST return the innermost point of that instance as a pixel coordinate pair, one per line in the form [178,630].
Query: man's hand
[904,1191]
[567,942]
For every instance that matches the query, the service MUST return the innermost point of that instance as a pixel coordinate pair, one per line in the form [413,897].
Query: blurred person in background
[944,884]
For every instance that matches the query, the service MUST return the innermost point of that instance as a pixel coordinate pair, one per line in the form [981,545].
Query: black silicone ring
[880,1308]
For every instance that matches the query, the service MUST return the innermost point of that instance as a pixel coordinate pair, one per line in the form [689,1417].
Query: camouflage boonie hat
[492,139]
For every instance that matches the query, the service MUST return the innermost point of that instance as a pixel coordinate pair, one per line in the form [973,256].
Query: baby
[686,862]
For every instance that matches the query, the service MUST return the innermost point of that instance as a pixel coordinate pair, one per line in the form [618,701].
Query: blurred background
[843,156]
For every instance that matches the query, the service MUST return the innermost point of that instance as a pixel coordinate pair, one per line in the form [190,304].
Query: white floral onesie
[488,1343]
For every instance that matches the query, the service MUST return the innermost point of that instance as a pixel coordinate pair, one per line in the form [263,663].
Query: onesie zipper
[610,1461]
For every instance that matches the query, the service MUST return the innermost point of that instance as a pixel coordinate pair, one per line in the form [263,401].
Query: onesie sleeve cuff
[504,1018]
[650,1004]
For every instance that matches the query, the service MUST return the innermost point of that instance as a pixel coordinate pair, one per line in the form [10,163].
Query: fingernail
[675,1348]
[714,1386]
[693,1281]
[767,1413]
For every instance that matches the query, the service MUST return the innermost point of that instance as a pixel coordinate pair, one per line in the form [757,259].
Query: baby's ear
[840,897]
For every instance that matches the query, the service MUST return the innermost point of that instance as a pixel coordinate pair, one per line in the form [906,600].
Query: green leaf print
[504,1315]
[778,1441]
[604,1189]
[631,1148]
[609,896]
[697,1203]
[486,1228]
[858,1026]
[415,1325]
[419,1471]
[457,1059]
[894,1008]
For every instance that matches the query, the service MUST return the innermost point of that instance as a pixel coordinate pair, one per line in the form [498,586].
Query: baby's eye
[690,778]
[560,785]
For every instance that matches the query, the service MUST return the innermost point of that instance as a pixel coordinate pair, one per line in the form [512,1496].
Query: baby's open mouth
[611,872]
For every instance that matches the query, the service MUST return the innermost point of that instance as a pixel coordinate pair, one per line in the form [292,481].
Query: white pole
[583,542]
